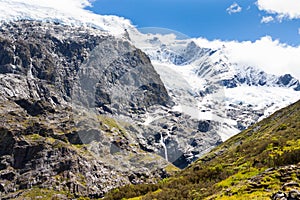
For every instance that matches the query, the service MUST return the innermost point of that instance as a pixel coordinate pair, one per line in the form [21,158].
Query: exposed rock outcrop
[84,112]
[54,81]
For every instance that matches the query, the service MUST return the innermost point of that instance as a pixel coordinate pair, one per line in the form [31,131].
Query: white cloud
[234,8]
[283,8]
[267,19]
[268,54]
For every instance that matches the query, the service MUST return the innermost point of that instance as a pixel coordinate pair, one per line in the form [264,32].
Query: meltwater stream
[164,146]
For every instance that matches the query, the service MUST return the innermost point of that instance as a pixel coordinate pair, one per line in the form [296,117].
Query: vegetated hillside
[254,164]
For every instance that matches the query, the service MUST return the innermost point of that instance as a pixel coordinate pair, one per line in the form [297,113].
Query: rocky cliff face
[55,81]
[81,62]
[83,112]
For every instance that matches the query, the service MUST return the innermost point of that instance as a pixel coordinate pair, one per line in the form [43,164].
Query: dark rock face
[260,78]
[105,68]
[231,83]
[36,152]
[54,81]
[83,112]
[204,126]
[7,141]
[291,195]
[289,80]
[121,80]
[35,108]
[285,79]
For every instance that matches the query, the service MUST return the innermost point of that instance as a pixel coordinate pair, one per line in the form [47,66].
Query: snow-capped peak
[69,12]
[213,64]
[207,84]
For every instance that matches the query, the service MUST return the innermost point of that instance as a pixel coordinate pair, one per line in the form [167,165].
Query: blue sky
[205,18]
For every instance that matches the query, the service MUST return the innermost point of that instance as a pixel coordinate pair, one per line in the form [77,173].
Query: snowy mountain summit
[208,85]
[68,12]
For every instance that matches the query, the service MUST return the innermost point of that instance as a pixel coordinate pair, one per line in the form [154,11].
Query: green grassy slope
[251,165]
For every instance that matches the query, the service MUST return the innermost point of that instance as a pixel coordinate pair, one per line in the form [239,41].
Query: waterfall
[29,72]
[164,146]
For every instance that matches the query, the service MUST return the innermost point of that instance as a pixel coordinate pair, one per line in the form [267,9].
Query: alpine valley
[88,104]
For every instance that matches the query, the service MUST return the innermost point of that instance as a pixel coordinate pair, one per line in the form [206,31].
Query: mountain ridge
[209,86]
[52,133]
[77,88]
